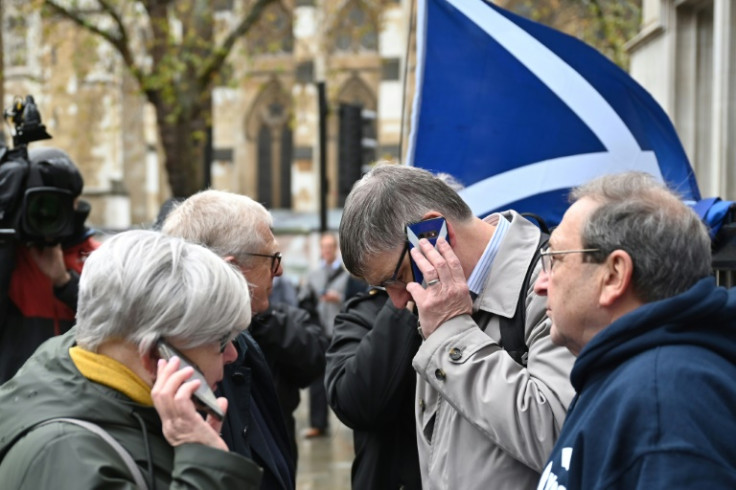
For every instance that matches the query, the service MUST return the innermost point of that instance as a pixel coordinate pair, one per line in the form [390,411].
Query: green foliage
[604,24]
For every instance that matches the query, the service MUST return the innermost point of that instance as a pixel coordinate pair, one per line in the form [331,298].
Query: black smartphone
[431,229]
[204,398]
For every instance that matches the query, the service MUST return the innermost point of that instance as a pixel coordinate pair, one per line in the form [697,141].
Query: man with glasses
[630,291]
[238,229]
[483,419]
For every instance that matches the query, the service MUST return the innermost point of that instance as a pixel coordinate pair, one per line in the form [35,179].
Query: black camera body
[36,198]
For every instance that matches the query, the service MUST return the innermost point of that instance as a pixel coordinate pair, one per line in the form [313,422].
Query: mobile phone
[431,229]
[203,398]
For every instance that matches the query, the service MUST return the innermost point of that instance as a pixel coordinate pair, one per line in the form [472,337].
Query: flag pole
[404,83]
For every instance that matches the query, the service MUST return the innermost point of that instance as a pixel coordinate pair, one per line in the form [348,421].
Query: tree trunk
[183,141]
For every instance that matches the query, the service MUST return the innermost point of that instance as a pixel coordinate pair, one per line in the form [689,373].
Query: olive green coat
[61,455]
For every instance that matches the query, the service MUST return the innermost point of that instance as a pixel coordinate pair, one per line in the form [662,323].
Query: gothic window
[287,155]
[305,72]
[357,120]
[355,29]
[390,69]
[273,34]
[272,137]
[264,166]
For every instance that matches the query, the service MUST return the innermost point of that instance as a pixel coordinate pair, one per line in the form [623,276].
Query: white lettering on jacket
[548,480]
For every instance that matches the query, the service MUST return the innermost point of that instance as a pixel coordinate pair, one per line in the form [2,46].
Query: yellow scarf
[109,372]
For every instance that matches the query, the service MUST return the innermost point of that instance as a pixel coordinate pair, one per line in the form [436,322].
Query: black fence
[724,250]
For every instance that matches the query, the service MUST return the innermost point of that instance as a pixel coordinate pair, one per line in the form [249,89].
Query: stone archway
[270,139]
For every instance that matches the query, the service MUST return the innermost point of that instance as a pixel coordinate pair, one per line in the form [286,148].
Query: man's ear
[431,214]
[450,230]
[229,259]
[617,273]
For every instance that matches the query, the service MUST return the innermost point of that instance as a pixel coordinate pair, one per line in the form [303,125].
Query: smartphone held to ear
[204,399]
[431,229]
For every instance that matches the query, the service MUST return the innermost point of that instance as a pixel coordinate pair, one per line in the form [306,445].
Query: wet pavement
[324,462]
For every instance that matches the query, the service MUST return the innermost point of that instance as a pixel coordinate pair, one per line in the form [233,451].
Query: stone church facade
[265,136]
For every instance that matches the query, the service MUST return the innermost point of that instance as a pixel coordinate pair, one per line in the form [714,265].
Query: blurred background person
[284,292]
[324,288]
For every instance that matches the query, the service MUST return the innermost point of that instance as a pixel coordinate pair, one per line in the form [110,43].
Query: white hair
[225,222]
[141,285]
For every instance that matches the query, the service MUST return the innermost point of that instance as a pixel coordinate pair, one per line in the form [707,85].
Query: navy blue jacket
[656,403]
[294,348]
[254,426]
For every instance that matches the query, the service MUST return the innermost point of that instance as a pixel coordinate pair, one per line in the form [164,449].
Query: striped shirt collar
[477,278]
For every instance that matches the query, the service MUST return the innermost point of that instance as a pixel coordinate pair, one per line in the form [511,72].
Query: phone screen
[203,398]
[431,229]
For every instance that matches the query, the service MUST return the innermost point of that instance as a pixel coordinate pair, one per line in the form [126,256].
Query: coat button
[238,378]
[439,374]
[456,354]
[245,432]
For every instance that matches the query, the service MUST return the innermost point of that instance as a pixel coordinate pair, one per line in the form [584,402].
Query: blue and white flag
[520,113]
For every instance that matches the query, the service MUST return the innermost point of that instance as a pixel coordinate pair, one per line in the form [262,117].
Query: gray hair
[224,222]
[383,202]
[668,243]
[141,285]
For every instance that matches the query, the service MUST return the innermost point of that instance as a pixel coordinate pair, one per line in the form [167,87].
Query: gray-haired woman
[139,288]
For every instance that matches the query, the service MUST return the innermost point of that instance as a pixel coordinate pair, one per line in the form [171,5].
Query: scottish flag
[520,113]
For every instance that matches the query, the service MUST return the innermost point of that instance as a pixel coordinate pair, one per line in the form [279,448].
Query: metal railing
[724,251]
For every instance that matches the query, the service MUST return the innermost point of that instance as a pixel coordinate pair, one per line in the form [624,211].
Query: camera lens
[45,214]
[48,214]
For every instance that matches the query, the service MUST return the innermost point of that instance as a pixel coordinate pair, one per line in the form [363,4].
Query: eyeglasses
[224,342]
[394,282]
[166,346]
[275,259]
[547,256]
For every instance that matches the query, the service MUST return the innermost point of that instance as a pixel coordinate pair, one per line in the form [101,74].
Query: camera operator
[39,277]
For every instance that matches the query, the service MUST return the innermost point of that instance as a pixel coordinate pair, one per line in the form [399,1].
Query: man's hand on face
[51,262]
[446,295]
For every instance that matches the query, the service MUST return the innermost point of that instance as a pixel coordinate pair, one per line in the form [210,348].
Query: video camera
[36,199]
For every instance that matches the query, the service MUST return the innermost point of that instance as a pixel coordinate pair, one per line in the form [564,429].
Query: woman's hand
[172,396]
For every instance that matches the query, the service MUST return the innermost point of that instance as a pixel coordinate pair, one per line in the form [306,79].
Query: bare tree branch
[78,19]
[178,83]
[106,7]
[220,54]
[118,42]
